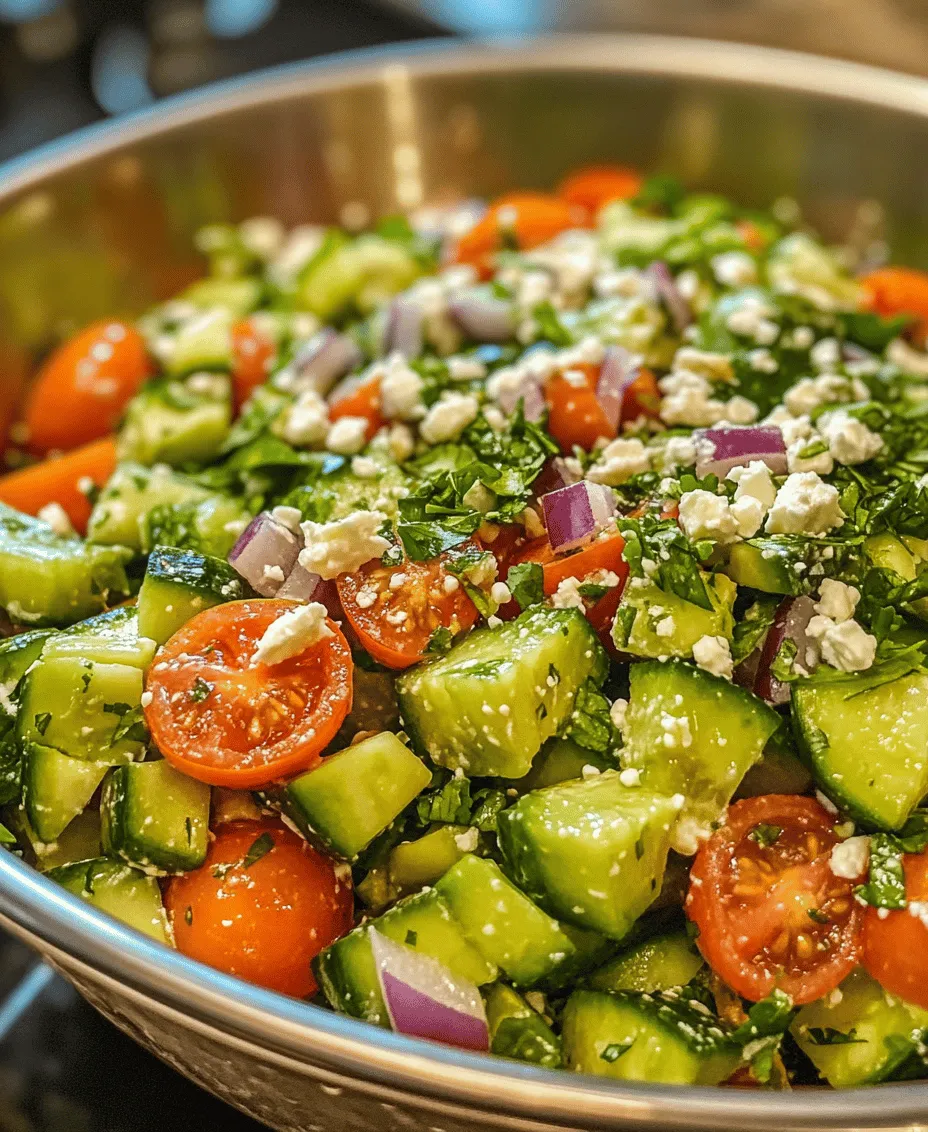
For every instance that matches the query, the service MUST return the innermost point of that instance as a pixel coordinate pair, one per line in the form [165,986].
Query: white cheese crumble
[805,504]
[57,518]
[678,452]
[734,269]
[347,436]
[618,712]
[307,421]
[837,600]
[845,645]
[849,859]
[704,515]
[400,390]
[400,442]
[567,595]
[714,655]
[754,481]
[344,545]
[619,461]
[630,776]
[828,388]
[448,417]
[292,633]
[849,440]
[288,517]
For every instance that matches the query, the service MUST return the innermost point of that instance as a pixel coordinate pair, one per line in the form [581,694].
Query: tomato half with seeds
[896,942]
[220,717]
[395,609]
[262,906]
[770,911]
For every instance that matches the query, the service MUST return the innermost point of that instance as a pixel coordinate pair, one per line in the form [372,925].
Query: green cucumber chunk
[109,638]
[645,607]
[11,759]
[79,841]
[656,964]
[782,564]
[660,1038]
[354,795]
[237,297]
[121,892]
[560,760]
[591,852]
[519,1032]
[118,516]
[346,971]
[179,584]
[337,492]
[862,1036]
[360,274]
[693,734]
[414,864]
[172,422]
[868,747]
[155,818]
[17,654]
[203,343]
[210,527]
[487,706]
[56,788]
[79,708]
[49,579]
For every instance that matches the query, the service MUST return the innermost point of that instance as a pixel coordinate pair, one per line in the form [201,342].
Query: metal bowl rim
[299,1030]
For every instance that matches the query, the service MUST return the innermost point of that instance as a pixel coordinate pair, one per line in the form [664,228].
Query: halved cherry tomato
[59,480]
[262,906]
[221,718]
[253,353]
[755,239]
[575,416]
[770,911]
[524,220]
[595,186]
[81,391]
[896,942]
[359,399]
[395,609]
[899,290]
[642,398]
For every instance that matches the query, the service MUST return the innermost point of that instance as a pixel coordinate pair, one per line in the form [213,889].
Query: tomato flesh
[225,720]
[575,416]
[253,353]
[899,290]
[774,914]
[526,218]
[595,186]
[361,399]
[896,942]
[262,906]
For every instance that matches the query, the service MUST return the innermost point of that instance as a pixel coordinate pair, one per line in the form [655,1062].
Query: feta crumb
[347,435]
[400,442]
[272,573]
[619,461]
[734,269]
[822,463]
[146,699]
[849,440]
[714,655]
[849,859]
[344,545]
[678,452]
[808,393]
[845,645]
[292,633]
[676,730]
[288,517]
[499,592]
[567,595]
[618,712]
[448,417]
[706,515]
[754,481]
[665,627]
[365,468]
[837,600]
[467,840]
[630,776]
[400,390]
[805,504]
[306,422]
[57,518]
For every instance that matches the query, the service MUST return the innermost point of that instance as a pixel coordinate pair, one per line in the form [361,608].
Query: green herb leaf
[590,724]
[260,847]
[678,561]
[440,640]
[765,835]
[526,584]
[615,1050]
[42,720]
[200,690]
[412,938]
[828,1036]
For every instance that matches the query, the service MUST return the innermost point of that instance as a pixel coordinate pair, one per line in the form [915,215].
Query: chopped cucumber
[209,527]
[560,760]
[80,708]
[591,852]
[17,654]
[781,564]
[108,638]
[118,890]
[487,706]
[354,795]
[237,297]
[11,759]
[373,706]
[694,734]
[79,841]
[338,492]
[346,970]
[503,924]
[204,343]
[179,584]
[862,1036]
[414,864]
[155,818]
[868,747]
[49,579]
[657,964]
[659,1038]
[169,422]
[361,273]
[519,1032]
[644,607]
[904,557]
[56,788]
[118,516]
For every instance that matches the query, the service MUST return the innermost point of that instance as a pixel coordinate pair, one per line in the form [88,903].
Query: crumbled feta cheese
[463,368]
[703,363]
[821,463]
[344,545]
[400,442]
[57,518]
[825,355]
[306,422]
[687,400]
[849,859]
[567,595]
[734,269]
[619,461]
[678,452]
[837,600]
[845,645]
[916,908]
[676,730]
[288,517]
[805,504]
[400,390]
[448,417]
[754,481]
[618,712]
[754,319]
[828,388]
[272,573]
[479,497]
[900,353]
[366,597]
[365,468]
[499,592]
[739,410]
[146,699]
[630,776]
[849,440]
[714,655]
[347,435]
[762,360]
[666,627]
[706,515]
[292,633]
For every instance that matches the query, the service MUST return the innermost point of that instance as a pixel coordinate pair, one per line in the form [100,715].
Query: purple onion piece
[483,316]
[619,369]
[426,1000]
[669,293]
[529,392]
[404,330]
[321,361]
[576,514]
[790,623]
[265,554]
[722,449]
[300,585]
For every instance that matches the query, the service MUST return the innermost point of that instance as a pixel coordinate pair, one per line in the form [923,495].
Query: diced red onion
[321,361]
[426,1000]
[403,334]
[574,515]
[669,293]
[792,619]
[553,476]
[483,316]
[262,546]
[619,369]
[300,585]
[721,449]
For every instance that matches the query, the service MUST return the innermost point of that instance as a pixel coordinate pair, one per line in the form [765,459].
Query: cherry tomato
[575,416]
[223,719]
[755,239]
[770,911]
[595,186]
[359,399]
[395,609]
[253,353]
[81,391]
[896,943]
[524,219]
[262,906]
[899,290]
[641,398]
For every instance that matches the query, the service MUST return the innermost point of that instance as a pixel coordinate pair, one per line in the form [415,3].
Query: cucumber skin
[519,1032]
[122,892]
[56,789]
[657,964]
[187,582]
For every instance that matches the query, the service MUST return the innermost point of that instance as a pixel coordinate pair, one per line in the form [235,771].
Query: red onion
[728,448]
[426,1000]
[265,543]
[619,369]
[575,514]
[403,334]
[790,623]
[300,585]
[669,293]
[321,361]
[483,317]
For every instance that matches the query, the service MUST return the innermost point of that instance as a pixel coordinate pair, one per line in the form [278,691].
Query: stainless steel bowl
[103,223]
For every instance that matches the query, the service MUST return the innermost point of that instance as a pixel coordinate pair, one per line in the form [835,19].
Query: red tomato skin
[253,354]
[594,186]
[896,943]
[363,400]
[575,416]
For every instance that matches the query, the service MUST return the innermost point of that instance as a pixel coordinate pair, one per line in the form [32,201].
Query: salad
[508,626]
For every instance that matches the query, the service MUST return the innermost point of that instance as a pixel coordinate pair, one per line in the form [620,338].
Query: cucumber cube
[131,492]
[487,706]
[121,892]
[155,818]
[108,638]
[17,654]
[644,607]
[657,964]
[518,1031]
[56,788]
[414,864]
[591,852]
[168,422]
[354,795]
[178,585]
